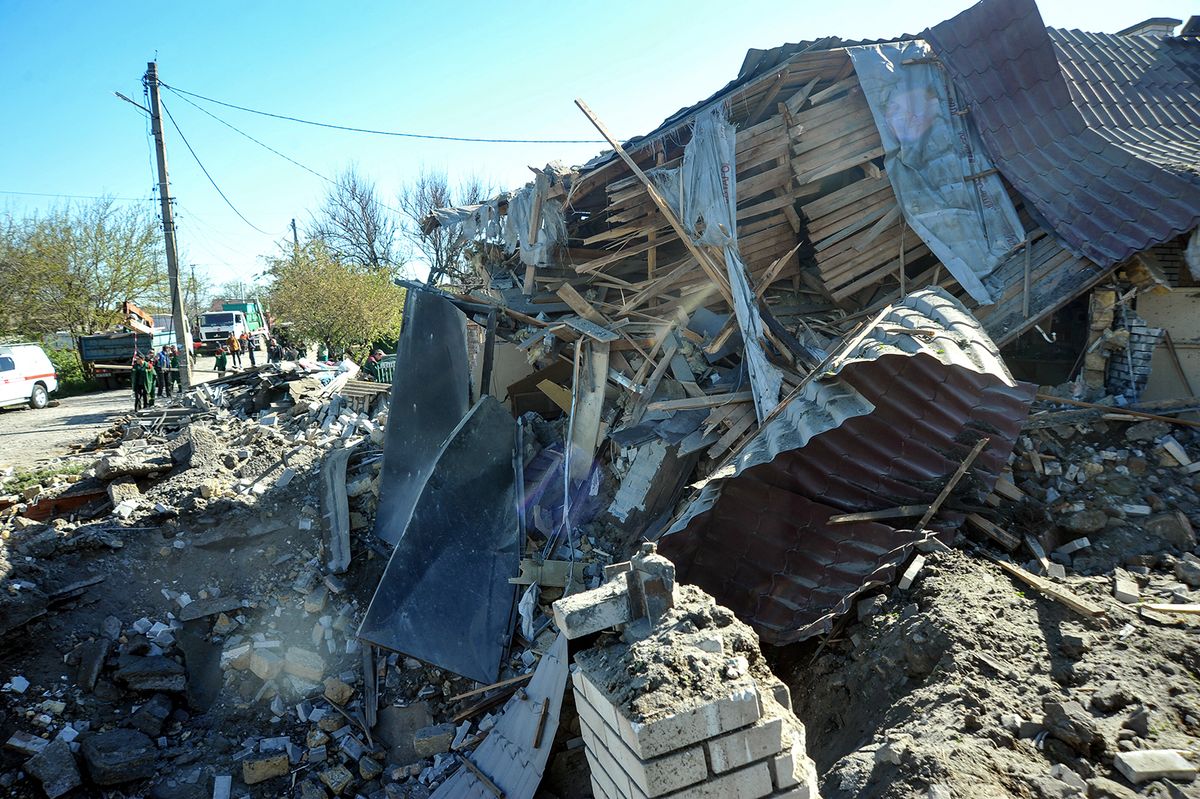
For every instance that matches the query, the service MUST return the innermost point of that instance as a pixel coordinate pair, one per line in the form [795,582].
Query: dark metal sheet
[892,420]
[445,597]
[509,756]
[430,396]
[1109,182]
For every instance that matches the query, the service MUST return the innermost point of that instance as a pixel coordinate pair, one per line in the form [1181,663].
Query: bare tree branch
[354,225]
[445,251]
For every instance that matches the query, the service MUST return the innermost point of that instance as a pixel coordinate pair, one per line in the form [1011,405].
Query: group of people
[155,374]
[281,351]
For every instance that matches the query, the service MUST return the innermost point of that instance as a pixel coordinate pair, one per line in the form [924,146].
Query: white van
[26,375]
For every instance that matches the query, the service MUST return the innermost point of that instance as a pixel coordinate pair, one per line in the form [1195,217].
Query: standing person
[137,379]
[274,351]
[160,366]
[151,381]
[173,373]
[248,347]
[231,344]
[221,361]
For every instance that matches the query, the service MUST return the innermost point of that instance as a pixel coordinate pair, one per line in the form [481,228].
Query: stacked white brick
[686,708]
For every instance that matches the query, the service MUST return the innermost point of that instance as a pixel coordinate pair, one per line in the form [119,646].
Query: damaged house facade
[792,335]
[795,295]
[836,437]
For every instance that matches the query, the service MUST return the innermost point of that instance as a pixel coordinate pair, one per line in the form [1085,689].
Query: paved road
[28,436]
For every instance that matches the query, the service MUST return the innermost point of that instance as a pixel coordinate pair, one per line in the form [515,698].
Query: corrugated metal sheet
[1098,143]
[885,424]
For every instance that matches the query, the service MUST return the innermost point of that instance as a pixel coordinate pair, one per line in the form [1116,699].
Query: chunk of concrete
[118,756]
[54,767]
[151,673]
[592,611]
[1154,764]
[262,767]
[435,740]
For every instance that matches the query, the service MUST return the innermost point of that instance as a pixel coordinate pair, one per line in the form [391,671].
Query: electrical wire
[207,175]
[352,129]
[74,196]
[240,132]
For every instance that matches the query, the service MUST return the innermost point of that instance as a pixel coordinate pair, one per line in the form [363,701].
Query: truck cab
[217,326]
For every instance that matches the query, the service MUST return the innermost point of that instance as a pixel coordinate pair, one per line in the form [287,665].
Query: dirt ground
[28,436]
[955,683]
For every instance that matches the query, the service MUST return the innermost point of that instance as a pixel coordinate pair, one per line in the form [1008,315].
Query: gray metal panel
[508,756]
[1109,182]
[445,597]
[430,396]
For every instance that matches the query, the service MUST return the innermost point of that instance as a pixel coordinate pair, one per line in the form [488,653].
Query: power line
[240,132]
[383,132]
[75,196]
[205,171]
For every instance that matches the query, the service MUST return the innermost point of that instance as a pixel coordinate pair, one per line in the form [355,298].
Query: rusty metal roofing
[885,425]
[1100,133]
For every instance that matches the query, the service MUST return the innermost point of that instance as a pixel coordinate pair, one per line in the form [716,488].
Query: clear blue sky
[504,70]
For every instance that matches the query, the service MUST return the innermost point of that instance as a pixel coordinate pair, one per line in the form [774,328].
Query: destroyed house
[779,317]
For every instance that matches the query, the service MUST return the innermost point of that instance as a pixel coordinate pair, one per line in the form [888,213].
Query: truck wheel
[39,398]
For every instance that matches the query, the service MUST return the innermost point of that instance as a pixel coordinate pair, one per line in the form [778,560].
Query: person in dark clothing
[248,347]
[173,378]
[161,362]
[142,379]
[222,362]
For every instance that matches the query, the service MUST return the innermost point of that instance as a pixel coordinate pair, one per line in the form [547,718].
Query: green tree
[326,299]
[72,268]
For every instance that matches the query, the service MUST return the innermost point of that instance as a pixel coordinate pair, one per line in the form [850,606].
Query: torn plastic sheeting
[703,194]
[515,752]
[884,425]
[970,224]
[444,597]
[430,394]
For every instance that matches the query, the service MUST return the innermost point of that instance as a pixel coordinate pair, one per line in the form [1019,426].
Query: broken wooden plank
[587,404]
[335,508]
[698,403]
[557,394]
[1048,589]
[993,531]
[952,482]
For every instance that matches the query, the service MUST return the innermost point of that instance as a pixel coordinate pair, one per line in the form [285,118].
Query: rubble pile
[966,682]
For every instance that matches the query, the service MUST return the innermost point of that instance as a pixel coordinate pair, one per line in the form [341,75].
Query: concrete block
[1126,590]
[592,611]
[740,708]
[265,664]
[258,768]
[654,777]
[745,746]
[596,699]
[305,664]
[601,761]
[748,783]
[793,768]
[1154,764]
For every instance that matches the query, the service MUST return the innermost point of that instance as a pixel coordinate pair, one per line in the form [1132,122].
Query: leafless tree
[442,249]
[354,225]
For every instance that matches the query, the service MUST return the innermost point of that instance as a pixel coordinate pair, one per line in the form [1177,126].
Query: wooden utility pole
[183,334]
